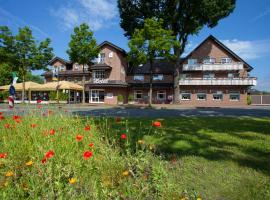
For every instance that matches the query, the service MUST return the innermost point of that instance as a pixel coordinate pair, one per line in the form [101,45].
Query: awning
[62,85]
[19,86]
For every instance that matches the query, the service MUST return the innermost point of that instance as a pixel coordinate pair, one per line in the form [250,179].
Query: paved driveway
[147,112]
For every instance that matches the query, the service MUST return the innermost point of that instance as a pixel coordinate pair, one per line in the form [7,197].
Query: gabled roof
[112,45]
[58,59]
[211,37]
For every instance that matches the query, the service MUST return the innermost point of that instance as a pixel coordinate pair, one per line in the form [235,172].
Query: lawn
[53,155]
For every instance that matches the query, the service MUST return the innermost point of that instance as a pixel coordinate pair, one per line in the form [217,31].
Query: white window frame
[102,58]
[234,93]
[218,93]
[138,92]
[184,93]
[138,77]
[99,74]
[158,77]
[209,60]
[192,61]
[163,92]
[76,66]
[110,54]
[62,68]
[202,93]
[225,60]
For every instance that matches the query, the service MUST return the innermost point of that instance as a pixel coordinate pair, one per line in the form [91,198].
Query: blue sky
[246,31]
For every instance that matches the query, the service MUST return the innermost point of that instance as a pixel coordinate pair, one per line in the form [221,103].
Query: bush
[249,101]
[130,98]
[120,98]
[62,96]
[3,95]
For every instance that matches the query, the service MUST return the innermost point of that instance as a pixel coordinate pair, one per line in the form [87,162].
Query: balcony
[100,80]
[213,67]
[250,81]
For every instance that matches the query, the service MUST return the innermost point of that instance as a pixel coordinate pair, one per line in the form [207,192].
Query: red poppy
[87,154]
[91,145]
[2,117]
[39,101]
[33,125]
[118,119]
[7,125]
[49,154]
[87,128]
[15,117]
[44,160]
[18,121]
[156,124]
[3,155]
[52,132]
[123,136]
[39,106]
[79,137]
[1,113]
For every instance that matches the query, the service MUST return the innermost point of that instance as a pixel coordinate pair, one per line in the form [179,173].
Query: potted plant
[131,99]
[120,99]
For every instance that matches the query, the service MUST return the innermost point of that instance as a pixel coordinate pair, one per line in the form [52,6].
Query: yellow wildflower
[199,198]
[6,184]
[9,174]
[72,180]
[29,163]
[125,173]
[140,141]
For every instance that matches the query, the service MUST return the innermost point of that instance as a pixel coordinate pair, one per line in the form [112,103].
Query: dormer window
[209,60]
[225,60]
[192,61]
[99,74]
[158,77]
[138,77]
[76,67]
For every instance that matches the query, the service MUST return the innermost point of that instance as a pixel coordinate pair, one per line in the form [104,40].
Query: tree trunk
[83,92]
[23,88]
[151,83]
[176,96]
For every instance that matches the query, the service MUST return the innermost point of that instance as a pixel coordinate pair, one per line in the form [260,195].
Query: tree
[23,52]
[183,17]
[83,49]
[5,74]
[148,43]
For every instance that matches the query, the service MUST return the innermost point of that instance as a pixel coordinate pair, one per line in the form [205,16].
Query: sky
[246,31]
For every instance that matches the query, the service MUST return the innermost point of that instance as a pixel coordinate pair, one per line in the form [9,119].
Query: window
[62,68]
[233,75]
[208,75]
[209,60]
[161,95]
[185,95]
[218,96]
[226,60]
[99,74]
[86,67]
[201,96]
[158,77]
[102,57]
[138,77]
[185,76]
[76,67]
[110,54]
[234,96]
[137,94]
[109,95]
[192,61]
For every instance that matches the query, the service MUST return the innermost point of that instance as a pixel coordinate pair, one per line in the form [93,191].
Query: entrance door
[97,96]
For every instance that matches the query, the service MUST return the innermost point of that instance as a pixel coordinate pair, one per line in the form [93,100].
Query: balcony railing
[213,67]
[100,80]
[250,81]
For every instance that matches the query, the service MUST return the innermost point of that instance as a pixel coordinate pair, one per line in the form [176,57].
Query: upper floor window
[209,60]
[110,54]
[102,58]
[208,75]
[185,76]
[86,67]
[192,61]
[99,73]
[233,75]
[158,77]
[225,60]
[138,77]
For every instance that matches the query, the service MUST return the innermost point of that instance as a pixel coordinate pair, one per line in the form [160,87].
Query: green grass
[212,158]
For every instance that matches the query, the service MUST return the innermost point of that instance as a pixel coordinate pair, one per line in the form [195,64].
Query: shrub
[130,98]
[62,96]
[249,101]
[3,95]
[120,98]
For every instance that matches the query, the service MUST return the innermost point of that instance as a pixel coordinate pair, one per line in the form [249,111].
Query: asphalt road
[147,112]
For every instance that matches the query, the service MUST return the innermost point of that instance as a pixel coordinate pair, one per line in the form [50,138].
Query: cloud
[9,19]
[261,15]
[97,13]
[247,49]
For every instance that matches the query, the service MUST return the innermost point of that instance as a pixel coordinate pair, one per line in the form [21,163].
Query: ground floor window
[137,94]
[234,96]
[201,96]
[161,95]
[185,95]
[110,95]
[218,96]
[97,96]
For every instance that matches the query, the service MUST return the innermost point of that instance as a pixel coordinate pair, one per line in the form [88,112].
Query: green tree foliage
[183,17]
[148,43]
[23,52]
[5,74]
[83,48]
